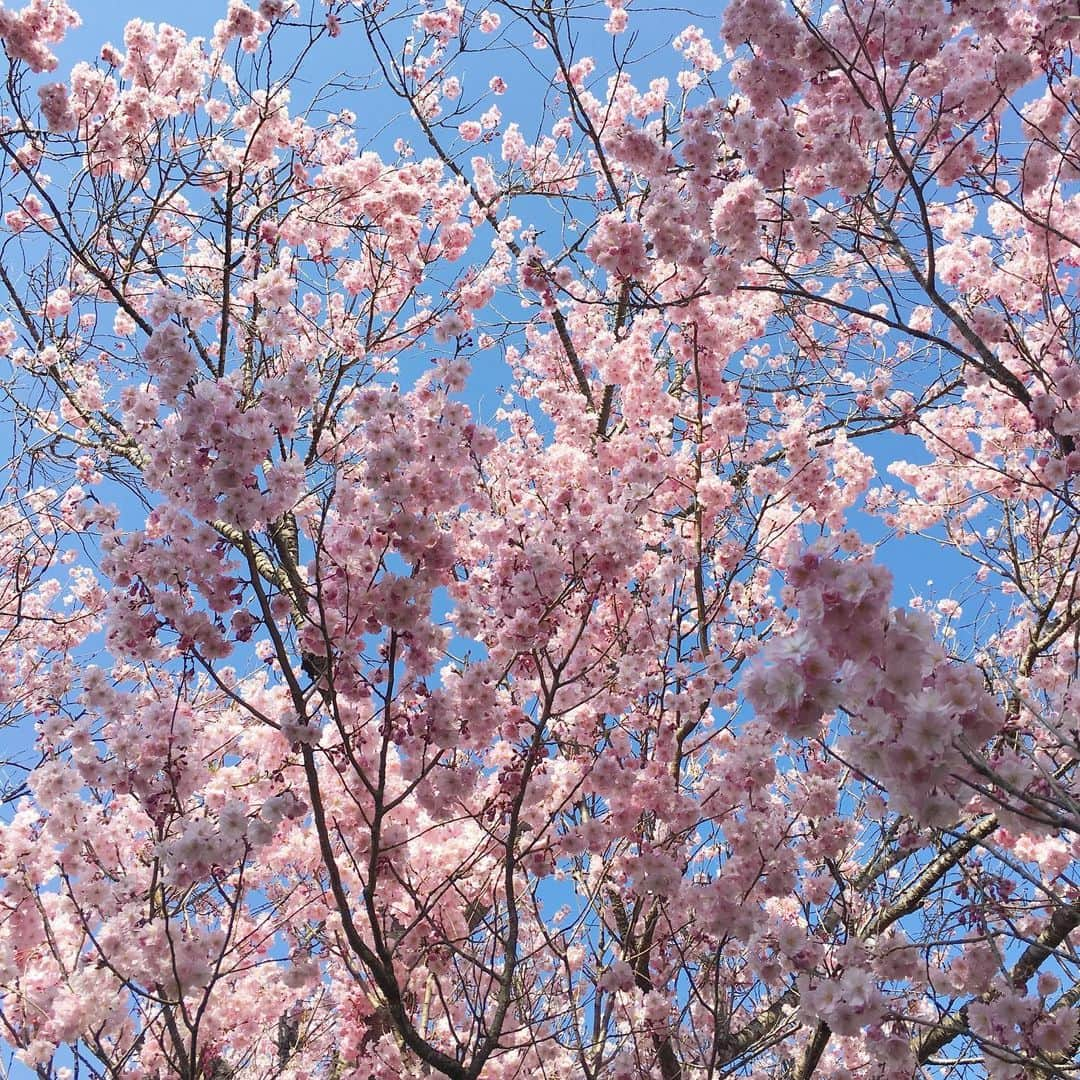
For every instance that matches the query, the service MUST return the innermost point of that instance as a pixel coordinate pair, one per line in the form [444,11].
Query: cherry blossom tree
[370,721]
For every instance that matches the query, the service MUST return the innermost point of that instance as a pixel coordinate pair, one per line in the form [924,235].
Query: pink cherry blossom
[591,593]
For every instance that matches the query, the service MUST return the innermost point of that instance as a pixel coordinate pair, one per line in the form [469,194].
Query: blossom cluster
[910,711]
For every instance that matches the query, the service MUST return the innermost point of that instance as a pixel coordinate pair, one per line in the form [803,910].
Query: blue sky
[104,22]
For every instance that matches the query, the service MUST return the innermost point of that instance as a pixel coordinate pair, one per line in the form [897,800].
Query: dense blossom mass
[465,467]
